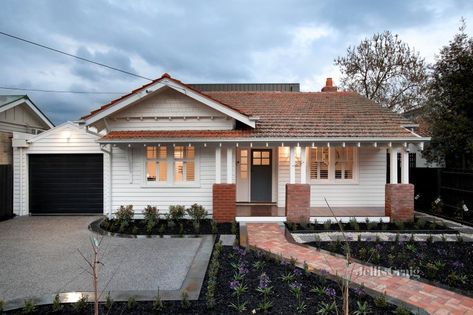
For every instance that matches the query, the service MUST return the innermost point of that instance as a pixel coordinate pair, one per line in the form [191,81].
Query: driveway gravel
[39,256]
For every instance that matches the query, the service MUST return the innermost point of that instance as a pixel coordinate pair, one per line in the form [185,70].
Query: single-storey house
[273,155]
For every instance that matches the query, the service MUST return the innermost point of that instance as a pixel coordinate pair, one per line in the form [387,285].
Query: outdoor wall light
[67,134]
[417,197]
[437,200]
[465,208]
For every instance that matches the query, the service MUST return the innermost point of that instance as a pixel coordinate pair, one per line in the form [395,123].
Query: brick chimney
[329,86]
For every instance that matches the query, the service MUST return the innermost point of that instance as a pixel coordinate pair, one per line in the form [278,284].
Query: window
[319,163]
[244,164]
[156,164]
[184,164]
[261,157]
[343,163]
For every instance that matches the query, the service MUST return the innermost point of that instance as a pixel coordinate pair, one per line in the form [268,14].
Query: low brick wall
[399,202]
[224,202]
[297,202]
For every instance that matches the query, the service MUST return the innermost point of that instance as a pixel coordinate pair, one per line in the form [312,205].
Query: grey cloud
[211,41]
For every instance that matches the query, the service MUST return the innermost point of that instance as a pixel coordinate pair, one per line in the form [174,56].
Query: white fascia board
[277,140]
[173,85]
[31,106]
[59,128]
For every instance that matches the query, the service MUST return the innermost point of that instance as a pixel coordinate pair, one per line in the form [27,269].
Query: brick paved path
[434,300]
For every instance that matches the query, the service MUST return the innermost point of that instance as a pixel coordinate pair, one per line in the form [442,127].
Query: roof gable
[157,85]
[8,102]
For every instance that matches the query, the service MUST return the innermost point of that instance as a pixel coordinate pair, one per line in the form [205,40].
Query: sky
[200,42]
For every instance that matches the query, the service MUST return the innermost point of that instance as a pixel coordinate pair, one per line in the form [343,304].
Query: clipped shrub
[214,226]
[327,225]
[197,212]
[185,304]
[157,303]
[402,310]
[108,301]
[81,305]
[131,303]
[57,306]
[234,228]
[29,307]
[380,301]
[176,212]
[150,214]
[124,216]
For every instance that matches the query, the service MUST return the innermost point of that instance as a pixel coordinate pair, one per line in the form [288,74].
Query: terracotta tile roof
[289,115]
[319,114]
[149,134]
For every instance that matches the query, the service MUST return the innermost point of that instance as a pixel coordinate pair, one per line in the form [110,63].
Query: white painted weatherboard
[368,191]
[137,192]
[53,141]
[166,104]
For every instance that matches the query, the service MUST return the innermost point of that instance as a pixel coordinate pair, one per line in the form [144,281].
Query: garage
[65,184]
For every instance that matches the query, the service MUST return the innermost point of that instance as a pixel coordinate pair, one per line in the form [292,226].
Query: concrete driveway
[39,256]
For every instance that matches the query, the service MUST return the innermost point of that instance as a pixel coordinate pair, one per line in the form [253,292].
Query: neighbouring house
[251,152]
[17,114]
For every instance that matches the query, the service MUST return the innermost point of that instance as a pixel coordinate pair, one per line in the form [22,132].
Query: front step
[265,219]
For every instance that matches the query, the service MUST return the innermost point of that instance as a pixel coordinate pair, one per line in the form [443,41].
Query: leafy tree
[386,70]
[450,104]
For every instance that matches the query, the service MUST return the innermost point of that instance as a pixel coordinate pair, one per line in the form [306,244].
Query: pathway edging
[419,295]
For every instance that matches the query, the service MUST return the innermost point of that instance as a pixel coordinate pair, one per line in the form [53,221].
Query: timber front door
[261,175]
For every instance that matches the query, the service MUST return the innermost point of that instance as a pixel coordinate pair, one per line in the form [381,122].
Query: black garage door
[66,183]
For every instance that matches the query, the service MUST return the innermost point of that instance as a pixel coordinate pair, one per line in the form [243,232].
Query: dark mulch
[418,226]
[282,298]
[168,227]
[447,263]
[466,218]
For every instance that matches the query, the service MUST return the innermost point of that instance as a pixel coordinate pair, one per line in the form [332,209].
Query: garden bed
[418,226]
[170,227]
[465,220]
[444,263]
[233,268]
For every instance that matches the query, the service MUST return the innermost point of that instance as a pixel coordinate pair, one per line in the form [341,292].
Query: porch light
[465,208]
[375,144]
[67,134]
[359,144]
[343,144]
[437,201]
[417,197]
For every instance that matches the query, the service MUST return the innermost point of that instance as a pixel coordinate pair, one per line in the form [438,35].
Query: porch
[253,212]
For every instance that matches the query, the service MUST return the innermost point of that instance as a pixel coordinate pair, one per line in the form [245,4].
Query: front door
[261,175]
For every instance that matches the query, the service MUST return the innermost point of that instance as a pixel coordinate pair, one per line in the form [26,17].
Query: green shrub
[177,212]
[214,226]
[125,213]
[399,225]
[380,301]
[150,226]
[157,303]
[431,270]
[151,214]
[29,307]
[363,253]
[124,216]
[362,308]
[453,279]
[353,224]
[185,304]
[81,305]
[57,306]
[234,228]
[131,303]
[402,310]
[327,225]
[161,230]
[108,301]
[197,212]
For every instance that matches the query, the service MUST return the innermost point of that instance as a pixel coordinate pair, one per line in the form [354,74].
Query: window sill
[172,185]
[335,182]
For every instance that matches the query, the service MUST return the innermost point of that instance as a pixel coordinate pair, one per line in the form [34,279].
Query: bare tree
[93,265]
[385,70]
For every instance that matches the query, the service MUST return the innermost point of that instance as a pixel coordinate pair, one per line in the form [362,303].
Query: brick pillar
[224,202]
[399,202]
[297,202]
